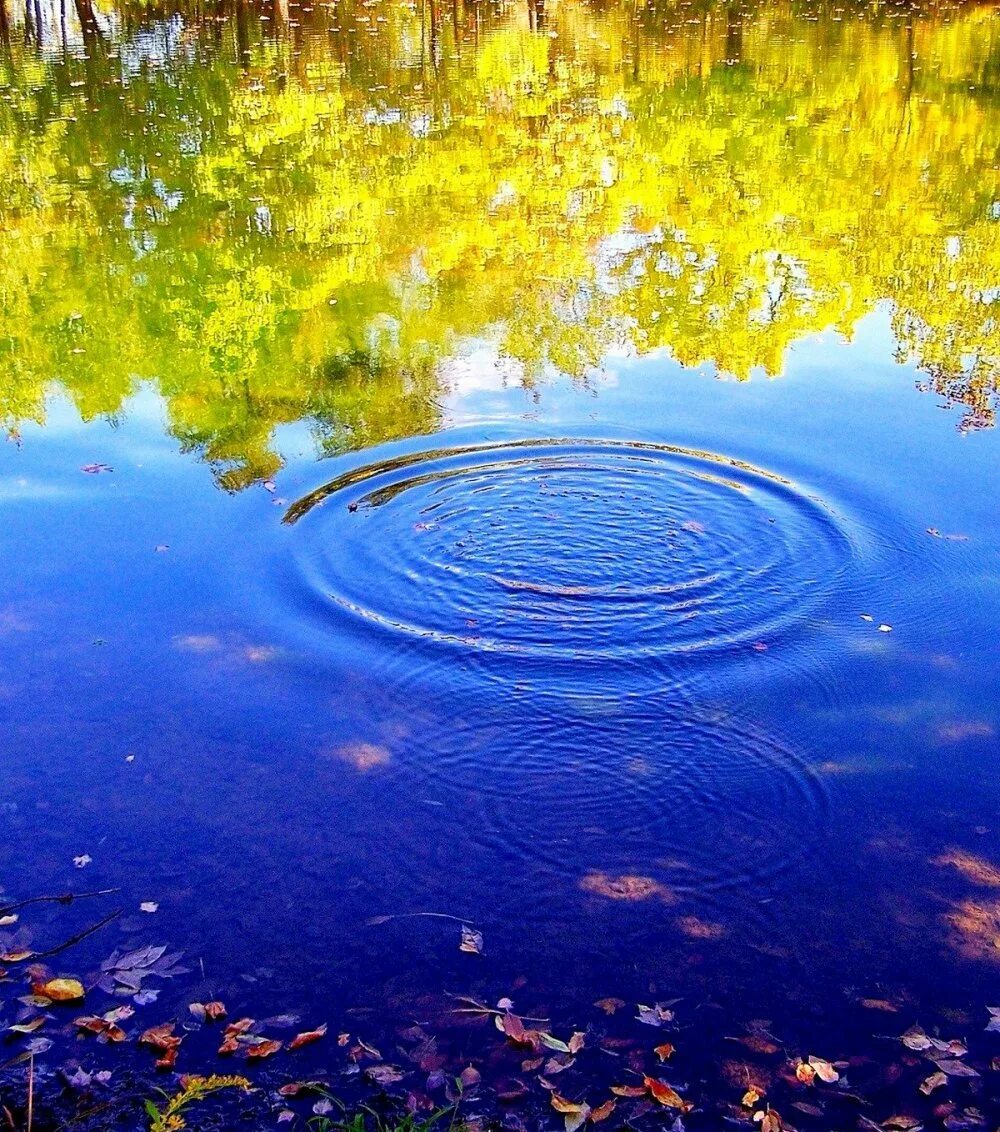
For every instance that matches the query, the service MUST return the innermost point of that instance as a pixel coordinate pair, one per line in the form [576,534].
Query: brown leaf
[878,1004]
[901,1123]
[665,1095]
[750,1098]
[472,941]
[664,1052]
[576,1042]
[610,1005]
[560,1104]
[628,1091]
[266,1047]
[15,956]
[59,990]
[823,1070]
[160,1037]
[602,1112]
[955,1068]
[102,1027]
[769,1120]
[28,1027]
[307,1037]
[169,1058]
[384,1074]
[934,1081]
[916,1039]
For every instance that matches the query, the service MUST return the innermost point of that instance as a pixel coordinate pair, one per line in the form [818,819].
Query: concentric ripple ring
[569,548]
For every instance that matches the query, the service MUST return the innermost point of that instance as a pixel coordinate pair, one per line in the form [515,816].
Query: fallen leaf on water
[82,861]
[878,1004]
[750,1098]
[384,1074]
[655,1015]
[577,1041]
[558,1063]
[15,956]
[59,990]
[955,1068]
[934,1081]
[805,1073]
[102,1027]
[27,1027]
[149,906]
[472,941]
[902,1123]
[266,1047]
[953,1048]
[602,1112]
[993,1025]
[553,1043]
[824,1070]
[570,1108]
[308,1037]
[885,628]
[660,1091]
[610,1005]
[6,921]
[628,1091]
[160,1037]
[916,1039]
[769,1120]
[664,1051]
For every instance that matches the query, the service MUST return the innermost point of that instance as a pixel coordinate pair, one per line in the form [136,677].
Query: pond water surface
[530,464]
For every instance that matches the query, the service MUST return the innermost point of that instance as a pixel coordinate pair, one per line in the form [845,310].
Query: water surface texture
[533,463]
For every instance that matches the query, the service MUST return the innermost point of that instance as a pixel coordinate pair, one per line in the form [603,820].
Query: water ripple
[568,549]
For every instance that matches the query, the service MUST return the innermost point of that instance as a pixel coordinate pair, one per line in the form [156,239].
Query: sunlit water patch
[568,550]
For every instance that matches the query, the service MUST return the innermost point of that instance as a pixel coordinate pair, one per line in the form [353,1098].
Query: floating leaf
[628,1091]
[28,1027]
[664,1052]
[266,1047]
[384,1074]
[105,1029]
[610,1005]
[916,1039]
[656,1015]
[59,990]
[472,941]
[660,1091]
[602,1112]
[934,1081]
[955,1068]
[308,1037]
[824,1070]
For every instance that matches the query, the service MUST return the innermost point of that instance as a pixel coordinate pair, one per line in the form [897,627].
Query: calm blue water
[630,629]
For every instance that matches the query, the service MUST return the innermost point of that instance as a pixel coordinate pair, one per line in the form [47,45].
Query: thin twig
[64,898]
[31,1092]
[411,915]
[73,940]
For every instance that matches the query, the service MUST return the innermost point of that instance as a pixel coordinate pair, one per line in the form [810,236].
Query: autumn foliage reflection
[282,213]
